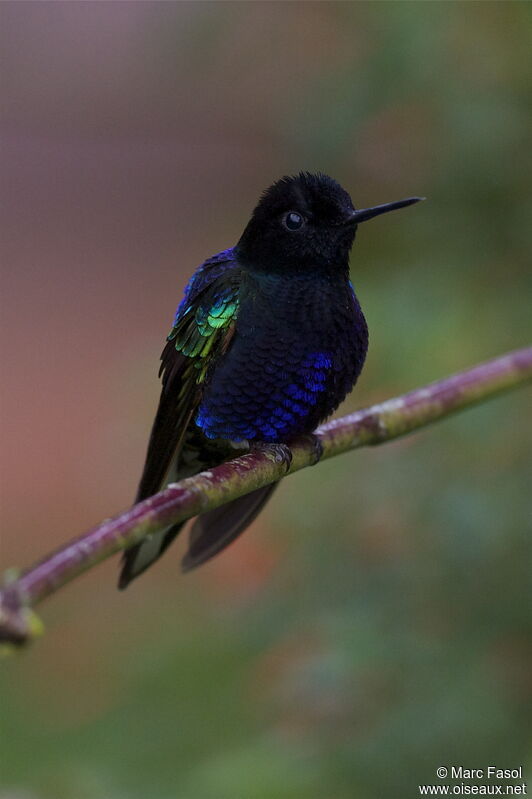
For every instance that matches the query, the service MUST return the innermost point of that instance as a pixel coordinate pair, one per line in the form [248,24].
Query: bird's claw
[281,453]
[316,447]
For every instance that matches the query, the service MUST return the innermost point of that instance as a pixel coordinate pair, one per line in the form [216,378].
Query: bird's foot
[280,453]
[316,447]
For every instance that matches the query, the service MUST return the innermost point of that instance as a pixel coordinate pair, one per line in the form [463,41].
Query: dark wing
[178,401]
[200,332]
[202,329]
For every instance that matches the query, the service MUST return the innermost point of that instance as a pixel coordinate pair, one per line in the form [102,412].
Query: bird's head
[304,223]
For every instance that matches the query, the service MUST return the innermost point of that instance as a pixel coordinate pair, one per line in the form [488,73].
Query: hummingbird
[267,341]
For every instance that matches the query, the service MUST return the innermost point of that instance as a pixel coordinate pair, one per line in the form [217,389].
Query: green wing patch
[205,325]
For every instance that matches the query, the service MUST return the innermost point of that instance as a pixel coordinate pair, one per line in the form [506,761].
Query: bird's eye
[293,221]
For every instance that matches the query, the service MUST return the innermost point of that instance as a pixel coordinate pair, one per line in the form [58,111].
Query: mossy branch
[383,422]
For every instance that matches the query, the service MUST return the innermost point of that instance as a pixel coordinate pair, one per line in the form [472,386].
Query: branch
[209,489]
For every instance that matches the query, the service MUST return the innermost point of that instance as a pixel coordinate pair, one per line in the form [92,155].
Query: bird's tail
[210,534]
[212,531]
[216,529]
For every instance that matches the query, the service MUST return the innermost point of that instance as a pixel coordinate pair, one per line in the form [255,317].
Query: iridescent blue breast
[298,348]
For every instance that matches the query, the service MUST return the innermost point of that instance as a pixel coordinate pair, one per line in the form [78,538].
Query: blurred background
[374,623]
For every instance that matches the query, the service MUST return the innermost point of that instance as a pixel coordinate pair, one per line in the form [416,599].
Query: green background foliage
[374,624]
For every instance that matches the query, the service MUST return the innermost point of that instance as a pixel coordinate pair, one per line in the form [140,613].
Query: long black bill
[368,213]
